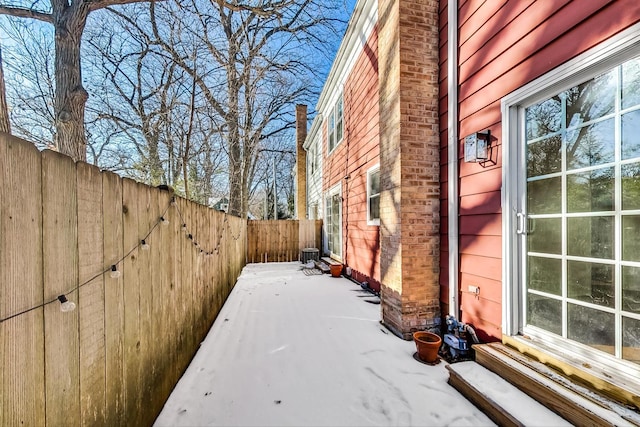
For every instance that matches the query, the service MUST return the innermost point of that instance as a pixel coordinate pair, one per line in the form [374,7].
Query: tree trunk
[71,97]
[5,126]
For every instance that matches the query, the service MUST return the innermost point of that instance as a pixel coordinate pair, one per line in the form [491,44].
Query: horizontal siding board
[481,225]
[486,330]
[487,17]
[484,182]
[487,117]
[483,266]
[481,308]
[466,9]
[489,289]
[490,246]
[476,204]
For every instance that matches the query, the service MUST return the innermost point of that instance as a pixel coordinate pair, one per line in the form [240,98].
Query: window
[335,128]
[373,195]
[581,212]
[333,222]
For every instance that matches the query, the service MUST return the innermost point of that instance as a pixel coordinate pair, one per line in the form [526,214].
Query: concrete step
[329,261]
[500,400]
[320,265]
[565,397]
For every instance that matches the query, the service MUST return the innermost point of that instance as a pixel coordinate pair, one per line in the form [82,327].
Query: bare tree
[256,64]
[5,126]
[29,77]
[68,18]
[172,136]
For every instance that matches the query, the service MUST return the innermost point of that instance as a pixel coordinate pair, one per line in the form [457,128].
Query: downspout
[452,163]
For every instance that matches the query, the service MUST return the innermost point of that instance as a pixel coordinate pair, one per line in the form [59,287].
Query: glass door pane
[582,210]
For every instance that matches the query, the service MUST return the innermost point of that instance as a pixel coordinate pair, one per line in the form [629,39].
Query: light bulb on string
[144,245]
[66,305]
[114,273]
[173,200]
[164,221]
[184,228]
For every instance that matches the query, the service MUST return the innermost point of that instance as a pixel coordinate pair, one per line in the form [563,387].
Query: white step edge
[518,404]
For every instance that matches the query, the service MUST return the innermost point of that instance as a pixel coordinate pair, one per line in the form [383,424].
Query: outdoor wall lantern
[476,146]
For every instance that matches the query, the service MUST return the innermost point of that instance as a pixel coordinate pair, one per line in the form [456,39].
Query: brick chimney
[301,162]
[409,165]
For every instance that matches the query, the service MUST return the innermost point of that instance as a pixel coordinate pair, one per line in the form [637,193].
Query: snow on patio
[289,349]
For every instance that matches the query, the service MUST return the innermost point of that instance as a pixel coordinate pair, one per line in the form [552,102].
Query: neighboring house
[221,205]
[539,236]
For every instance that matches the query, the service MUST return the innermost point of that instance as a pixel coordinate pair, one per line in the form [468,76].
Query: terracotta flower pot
[336,270]
[428,345]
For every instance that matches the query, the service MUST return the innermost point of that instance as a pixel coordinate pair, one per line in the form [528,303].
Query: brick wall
[409,164]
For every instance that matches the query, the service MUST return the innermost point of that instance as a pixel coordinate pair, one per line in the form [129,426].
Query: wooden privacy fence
[115,359]
[281,241]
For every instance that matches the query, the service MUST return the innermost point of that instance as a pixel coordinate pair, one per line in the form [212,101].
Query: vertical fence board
[60,251]
[179,287]
[91,295]
[22,387]
[114,300]
[164,306]
[202,310]
[134,369]
[188,285]
[148,275]
[175,264]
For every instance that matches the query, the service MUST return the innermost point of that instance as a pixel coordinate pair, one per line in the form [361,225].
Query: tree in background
[68,19]
[4,110]
[248,67]
[186,93]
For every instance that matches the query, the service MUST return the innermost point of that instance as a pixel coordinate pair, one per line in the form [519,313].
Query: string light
[114,273]
[66,305]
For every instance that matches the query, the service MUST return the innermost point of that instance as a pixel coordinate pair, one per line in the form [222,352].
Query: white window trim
[370,221]
[596,60]
[312,158]
[336,189]
[334,112]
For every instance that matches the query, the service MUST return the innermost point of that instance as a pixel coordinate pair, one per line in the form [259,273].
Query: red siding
[358,151]
[502,46]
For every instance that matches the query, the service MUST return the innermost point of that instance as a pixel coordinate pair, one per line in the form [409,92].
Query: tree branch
[101,4]
[20,12]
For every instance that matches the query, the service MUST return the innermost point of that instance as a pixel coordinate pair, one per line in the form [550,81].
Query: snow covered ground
[294,350]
